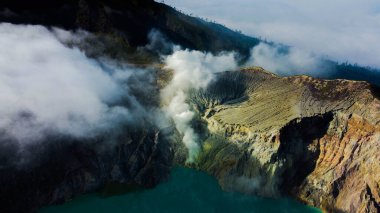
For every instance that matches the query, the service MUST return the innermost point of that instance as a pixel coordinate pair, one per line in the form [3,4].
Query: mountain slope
[130,20]
[317,140]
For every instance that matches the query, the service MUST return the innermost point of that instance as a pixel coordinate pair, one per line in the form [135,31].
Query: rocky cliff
[60,168]
[314,139]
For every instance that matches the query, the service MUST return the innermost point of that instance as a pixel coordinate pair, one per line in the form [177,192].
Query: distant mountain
[131,20]
[129,23]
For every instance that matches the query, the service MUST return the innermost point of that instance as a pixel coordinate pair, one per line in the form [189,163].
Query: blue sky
[343,30]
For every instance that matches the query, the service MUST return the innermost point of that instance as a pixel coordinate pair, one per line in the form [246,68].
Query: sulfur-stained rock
[318,140]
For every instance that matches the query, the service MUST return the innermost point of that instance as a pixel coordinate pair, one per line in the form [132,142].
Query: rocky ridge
[315,139]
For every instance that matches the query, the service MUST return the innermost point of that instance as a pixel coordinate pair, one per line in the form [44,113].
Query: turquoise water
[187,191]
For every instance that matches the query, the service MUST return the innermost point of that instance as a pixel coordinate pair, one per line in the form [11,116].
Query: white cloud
[292,62]
[48,88]
[344,30]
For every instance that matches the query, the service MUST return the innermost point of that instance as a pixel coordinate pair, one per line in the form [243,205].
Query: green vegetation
[356,72]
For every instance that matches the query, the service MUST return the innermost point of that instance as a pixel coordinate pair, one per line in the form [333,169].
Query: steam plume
[192,70]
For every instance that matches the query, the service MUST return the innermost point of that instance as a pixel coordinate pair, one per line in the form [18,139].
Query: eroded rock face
[61,168]
[318,140]
[346,175]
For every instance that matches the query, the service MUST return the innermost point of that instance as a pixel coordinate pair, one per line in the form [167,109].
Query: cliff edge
[318,140]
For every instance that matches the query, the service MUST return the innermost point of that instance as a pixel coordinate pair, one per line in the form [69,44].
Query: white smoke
[159,43]
[290,61]
[192,70]
[48,88]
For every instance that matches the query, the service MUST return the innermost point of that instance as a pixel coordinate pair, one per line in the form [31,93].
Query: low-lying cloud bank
[48,88]
[287,61]
[342,30]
